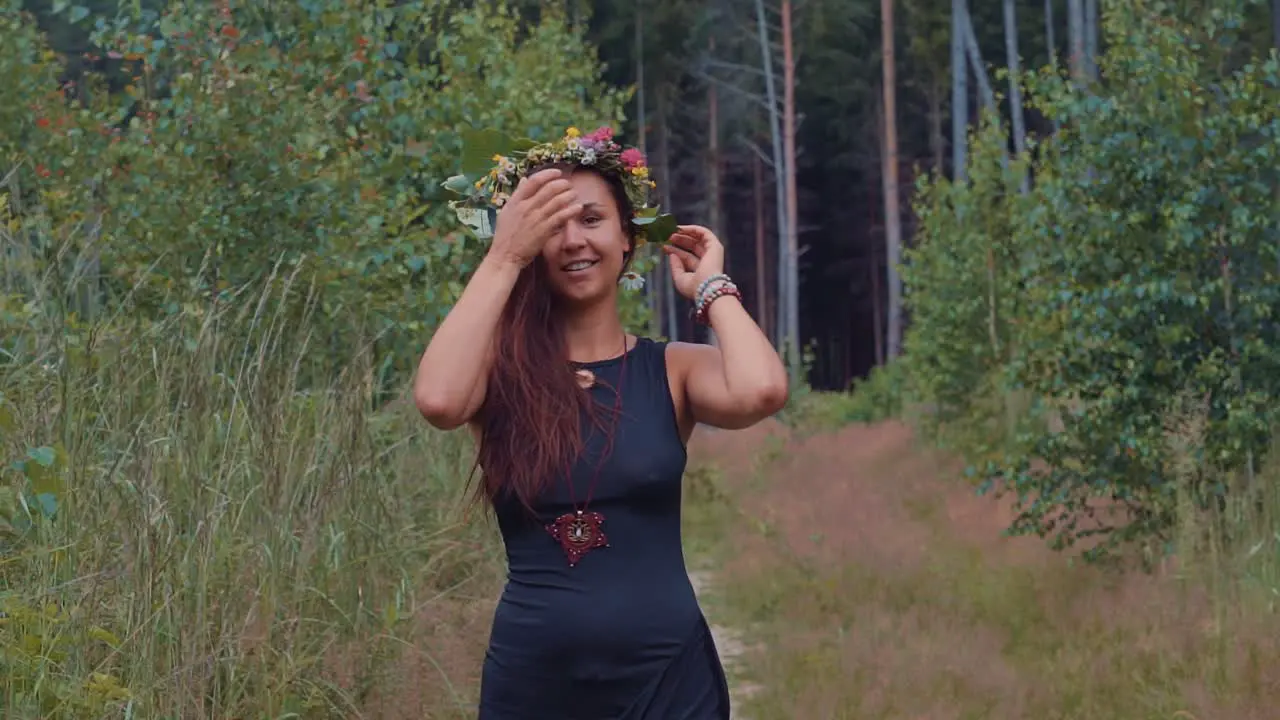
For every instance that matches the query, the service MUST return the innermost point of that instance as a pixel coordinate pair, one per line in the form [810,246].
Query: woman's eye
[591,219]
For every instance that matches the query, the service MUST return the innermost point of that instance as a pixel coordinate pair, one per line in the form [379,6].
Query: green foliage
[960,280]
[186,532]
[1143,264]
[879,397]
[210,282]
[315,136]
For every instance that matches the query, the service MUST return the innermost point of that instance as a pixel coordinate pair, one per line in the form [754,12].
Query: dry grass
[189,528]
[876,586]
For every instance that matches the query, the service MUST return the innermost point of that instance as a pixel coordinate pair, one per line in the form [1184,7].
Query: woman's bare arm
[739,383]
[450,385]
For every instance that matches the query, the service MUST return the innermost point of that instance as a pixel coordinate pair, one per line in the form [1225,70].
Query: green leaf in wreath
[660,229]
[458,184]
[479,147]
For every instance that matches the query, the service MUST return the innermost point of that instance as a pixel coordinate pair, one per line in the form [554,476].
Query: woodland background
[1047,234]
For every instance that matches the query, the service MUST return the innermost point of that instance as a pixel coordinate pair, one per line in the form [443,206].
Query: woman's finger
[686,243]
[700,235]
[683,251]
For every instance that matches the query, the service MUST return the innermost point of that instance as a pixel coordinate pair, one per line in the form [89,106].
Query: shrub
[1142,265]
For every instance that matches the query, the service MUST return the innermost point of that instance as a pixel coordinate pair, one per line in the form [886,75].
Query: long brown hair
[530,422]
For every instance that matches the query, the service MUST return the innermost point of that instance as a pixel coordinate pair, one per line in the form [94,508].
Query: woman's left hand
[695,254]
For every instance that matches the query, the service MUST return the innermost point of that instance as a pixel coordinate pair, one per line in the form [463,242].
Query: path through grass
[873,585]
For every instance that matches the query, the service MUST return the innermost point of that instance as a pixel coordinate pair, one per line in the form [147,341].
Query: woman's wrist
[708,292]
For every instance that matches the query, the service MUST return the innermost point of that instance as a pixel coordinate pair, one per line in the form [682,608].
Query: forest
[1043,235]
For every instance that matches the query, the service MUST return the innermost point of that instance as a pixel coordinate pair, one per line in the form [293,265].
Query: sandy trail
[881,586]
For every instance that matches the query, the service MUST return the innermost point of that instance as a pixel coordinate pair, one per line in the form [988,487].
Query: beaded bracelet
[701,315]
[702,287]
[701,297]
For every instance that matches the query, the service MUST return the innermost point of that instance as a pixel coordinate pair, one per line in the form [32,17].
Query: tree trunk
[1075,38]
[1015,84]
[664,159]
[877,312]
[713,171]
[789,136]
[653,276]
[1091,38]
[937,142]
[892,217]
[1051,44]
[975,63]
[762,286]
[779,168]
[1275,23]
[959,92]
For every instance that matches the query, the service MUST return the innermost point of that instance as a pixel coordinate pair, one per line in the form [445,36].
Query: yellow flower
[640,171]
[498,158]
[572,132]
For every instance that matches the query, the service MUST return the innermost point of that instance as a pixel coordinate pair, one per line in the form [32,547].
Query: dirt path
[877,585]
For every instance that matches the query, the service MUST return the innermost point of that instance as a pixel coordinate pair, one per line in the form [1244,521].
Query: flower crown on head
[493,164]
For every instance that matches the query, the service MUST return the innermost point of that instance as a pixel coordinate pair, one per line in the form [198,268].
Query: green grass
[974,631]
[187,531]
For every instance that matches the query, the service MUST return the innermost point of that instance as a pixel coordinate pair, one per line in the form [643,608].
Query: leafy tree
[1142,266]
[310,138]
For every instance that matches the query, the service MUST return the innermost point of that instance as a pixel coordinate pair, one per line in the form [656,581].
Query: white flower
[631,281]
[589,157]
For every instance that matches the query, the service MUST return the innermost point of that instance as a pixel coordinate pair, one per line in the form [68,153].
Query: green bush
[213,287]
[1142,265]
[314,136]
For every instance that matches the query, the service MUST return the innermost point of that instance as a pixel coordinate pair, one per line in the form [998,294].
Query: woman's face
[586,258]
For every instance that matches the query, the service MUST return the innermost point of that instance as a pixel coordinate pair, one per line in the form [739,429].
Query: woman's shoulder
[682,355]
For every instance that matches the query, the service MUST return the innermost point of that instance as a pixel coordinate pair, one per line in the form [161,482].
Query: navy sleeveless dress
[619,636]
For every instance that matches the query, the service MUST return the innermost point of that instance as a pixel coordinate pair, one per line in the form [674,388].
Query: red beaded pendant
[578,534]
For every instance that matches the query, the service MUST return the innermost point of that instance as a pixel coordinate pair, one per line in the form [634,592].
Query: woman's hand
[695,254]
[538,208]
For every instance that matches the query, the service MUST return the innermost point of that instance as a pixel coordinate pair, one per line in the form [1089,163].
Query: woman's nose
[574,234]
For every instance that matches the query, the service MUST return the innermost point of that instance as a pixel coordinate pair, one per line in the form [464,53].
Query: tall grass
[190,528]
[1228,526]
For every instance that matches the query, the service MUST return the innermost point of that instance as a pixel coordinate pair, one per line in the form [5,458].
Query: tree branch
[750,97]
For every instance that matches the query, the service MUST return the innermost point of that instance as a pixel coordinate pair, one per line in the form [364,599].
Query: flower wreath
[493,164]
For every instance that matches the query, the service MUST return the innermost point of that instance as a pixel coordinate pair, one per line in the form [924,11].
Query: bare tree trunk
[1275,23]
[713,171]
[714,205]
[1015,83]
[1051,44]
[762,286]
[877,312]
[1091,38]
[1075,38]
[654,275]
[789,137]
[959,91]
[975,63]
[936,141]
[779,168]
[664,150]
[892,216]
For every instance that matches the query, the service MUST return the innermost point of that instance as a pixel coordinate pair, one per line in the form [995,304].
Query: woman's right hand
[538,208]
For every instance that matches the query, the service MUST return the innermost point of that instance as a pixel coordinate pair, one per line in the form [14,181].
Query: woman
[582,431]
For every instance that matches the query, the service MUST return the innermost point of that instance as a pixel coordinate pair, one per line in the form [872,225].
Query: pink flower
[632,158]
[602,134]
